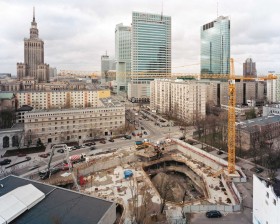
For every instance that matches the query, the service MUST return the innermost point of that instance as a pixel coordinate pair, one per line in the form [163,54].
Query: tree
[251,114]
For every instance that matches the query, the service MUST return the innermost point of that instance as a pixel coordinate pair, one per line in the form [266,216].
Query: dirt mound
[168,187]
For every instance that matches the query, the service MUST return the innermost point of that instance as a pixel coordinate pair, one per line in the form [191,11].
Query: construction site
[160,181]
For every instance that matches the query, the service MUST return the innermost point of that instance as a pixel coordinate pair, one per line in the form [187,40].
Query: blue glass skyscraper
[215,47]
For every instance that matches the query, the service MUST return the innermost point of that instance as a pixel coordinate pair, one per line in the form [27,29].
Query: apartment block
[61,99]
[186,99]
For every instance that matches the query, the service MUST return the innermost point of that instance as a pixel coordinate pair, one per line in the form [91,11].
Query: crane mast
[231,119]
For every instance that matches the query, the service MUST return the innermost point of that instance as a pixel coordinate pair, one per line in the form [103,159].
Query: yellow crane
[231,102]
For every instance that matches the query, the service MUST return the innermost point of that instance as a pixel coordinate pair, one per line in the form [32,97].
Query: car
[133,134]
[111,140]
[145,133]
[77,147]
[258,170]
[92,148]
[123,138]
[21,155]
[182,129]
[213,214]
[182,138]
[28,158]
[102,141]
[60,150]
[45,155]
[142,128]
[220,152]
[5,162]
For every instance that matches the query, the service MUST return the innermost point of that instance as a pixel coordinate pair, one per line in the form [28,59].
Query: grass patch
[15,152]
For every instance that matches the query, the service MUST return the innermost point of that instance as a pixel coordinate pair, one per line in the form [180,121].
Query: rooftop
[59,205]
[6,96]
[275,185]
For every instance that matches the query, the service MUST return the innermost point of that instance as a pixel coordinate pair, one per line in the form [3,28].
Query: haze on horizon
[77,34]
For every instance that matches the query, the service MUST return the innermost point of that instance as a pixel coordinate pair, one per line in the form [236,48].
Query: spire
[33,30]
[33,14]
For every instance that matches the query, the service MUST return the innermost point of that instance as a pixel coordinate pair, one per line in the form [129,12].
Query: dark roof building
[58,205]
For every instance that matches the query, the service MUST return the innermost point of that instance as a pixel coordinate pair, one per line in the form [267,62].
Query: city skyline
[77,35]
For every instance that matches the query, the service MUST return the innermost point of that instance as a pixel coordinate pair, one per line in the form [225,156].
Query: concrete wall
[205,208]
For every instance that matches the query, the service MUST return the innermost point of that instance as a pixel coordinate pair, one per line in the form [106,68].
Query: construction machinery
[231,78]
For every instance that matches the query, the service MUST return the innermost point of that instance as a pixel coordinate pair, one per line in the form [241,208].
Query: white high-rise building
[122,55]
[186,99]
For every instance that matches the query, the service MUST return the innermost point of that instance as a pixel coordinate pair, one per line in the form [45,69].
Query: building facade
[107,64]
[249,68]
[68,125]
[150,47]
[215,46]
[185,99]
[61,99]
[266,201]
[122,55]
[33,65]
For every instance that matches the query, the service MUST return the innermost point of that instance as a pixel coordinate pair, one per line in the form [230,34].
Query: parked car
[142,128]
[145,133]
[182,129]
[5,162]
[103,141]
[60,150]
[77,147]
[92,148]
[182,138]
[133,134]
[213,214]
[28,158]
[220,152]
[45,155]
[111,140]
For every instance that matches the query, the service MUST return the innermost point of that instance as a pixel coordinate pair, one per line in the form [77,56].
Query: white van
[60,147]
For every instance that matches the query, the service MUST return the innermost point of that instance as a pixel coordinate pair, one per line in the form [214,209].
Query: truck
[138,142]
[77,158]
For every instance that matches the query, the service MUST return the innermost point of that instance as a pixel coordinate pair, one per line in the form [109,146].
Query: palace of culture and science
[33,66]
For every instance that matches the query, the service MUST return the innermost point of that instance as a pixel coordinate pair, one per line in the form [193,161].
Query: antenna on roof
[161,10]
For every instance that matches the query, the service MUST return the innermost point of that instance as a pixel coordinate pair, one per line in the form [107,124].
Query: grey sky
[76,33]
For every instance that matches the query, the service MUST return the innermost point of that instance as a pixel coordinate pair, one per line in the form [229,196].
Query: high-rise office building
[123,55]
[150,49]
[249,68]
[215,47]
[33,65]
[107,64]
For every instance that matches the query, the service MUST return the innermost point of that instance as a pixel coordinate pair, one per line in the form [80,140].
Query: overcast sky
[77,32]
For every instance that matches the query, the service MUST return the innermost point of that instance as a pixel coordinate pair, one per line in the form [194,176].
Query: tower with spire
[33,67]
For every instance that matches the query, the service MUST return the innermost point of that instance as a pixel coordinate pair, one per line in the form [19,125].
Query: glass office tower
[215,47]
[151,43]
[123,55]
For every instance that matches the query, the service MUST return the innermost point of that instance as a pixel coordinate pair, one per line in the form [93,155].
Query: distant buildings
[185,99]
[273,109]
[107,64]
[273,90]
[266,201]
[215,46]
[249,68]
[150,51]
[33,65]
[122,55]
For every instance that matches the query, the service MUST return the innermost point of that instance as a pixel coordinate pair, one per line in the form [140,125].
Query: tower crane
[231,98]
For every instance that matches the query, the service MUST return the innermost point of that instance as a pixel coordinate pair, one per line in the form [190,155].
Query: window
[267,194]
[274,201]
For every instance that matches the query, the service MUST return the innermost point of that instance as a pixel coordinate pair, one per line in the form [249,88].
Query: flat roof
[60,205]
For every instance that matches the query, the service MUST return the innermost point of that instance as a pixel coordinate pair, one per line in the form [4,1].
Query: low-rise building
[68,125]
[250,131]
[271,109]
[266,201]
